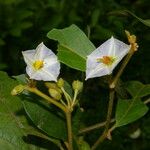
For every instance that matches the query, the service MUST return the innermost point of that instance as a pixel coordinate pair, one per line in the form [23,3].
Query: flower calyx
[17,89]
[132,40]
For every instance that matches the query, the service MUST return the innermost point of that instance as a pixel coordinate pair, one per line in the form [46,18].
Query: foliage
[14,126]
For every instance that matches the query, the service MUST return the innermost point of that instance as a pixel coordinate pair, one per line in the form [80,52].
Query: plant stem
[108,120]
[49,99]
[93,127]
[119,73]
[69,127]
[147,101]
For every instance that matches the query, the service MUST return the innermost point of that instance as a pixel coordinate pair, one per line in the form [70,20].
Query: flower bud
[54,93]
[17,90]
[77,85]
[60,83]
[52,86]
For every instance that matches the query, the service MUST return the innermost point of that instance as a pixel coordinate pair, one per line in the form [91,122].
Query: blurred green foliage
[25,23]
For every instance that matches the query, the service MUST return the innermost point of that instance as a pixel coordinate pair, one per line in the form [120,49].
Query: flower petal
[45,74]
[96,70]
[51,72]
[28,56]
[118,48]
[42,52]
[103,49]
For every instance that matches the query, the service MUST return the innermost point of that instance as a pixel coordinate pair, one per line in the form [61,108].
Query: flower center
[38,64]
[107,60]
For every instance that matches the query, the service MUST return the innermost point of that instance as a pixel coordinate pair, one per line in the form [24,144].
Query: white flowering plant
[55,107]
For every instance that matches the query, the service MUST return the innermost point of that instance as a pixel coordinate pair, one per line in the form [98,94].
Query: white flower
[105,58]
[42,63]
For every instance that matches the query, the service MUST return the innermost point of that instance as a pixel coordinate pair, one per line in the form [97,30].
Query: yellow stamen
[38,64]
[107,60]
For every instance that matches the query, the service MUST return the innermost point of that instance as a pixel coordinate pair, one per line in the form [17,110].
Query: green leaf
[129,110]
[13,122]
[73,47]
[46,119]
[145,22]
[21,78]
[127,12]
[136,88]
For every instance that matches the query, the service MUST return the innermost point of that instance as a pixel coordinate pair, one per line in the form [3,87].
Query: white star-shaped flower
[42,63]
[105,58]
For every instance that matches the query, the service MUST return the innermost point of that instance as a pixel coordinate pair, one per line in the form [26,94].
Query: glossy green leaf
[129,110]
[73,47]
[13,122]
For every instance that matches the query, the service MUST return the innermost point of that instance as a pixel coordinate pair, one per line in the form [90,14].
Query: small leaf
[136,88]
[73,47]
[21,78]
[129,110]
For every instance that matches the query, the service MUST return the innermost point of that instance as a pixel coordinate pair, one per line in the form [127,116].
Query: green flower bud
[60,83]
[54,93]
[17,90]
[77,85]
[53,86]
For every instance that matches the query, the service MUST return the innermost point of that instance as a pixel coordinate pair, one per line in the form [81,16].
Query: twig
[147,101]
[47,98]
[93,127]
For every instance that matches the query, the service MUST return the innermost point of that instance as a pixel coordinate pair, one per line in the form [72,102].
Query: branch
[93,127]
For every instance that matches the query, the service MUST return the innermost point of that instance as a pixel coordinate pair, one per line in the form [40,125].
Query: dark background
[25,23]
